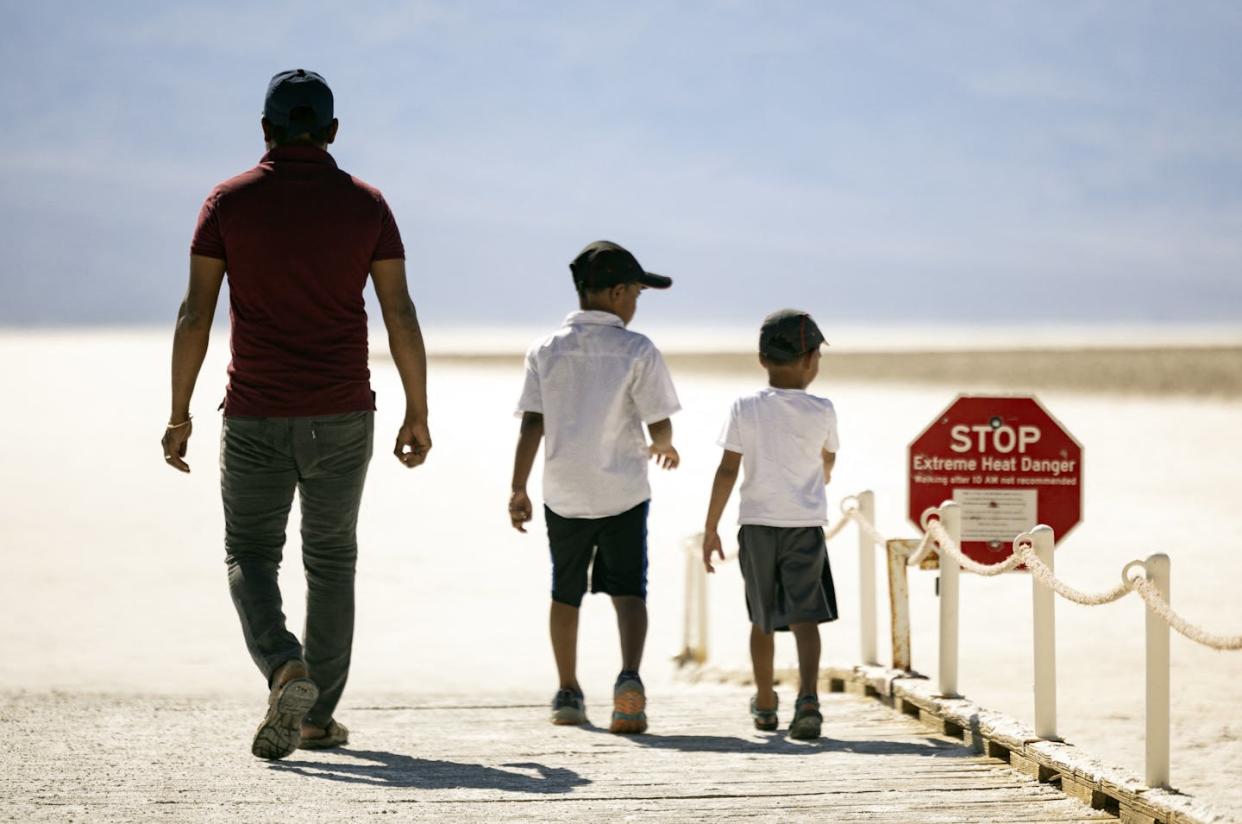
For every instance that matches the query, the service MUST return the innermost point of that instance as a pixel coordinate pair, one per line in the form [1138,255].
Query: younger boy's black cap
[788,334]
[297,89]
[603,264]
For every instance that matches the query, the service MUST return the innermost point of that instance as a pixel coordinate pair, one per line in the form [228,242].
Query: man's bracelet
[186,422]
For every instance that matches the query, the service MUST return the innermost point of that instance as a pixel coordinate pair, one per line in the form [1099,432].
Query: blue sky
[973,162]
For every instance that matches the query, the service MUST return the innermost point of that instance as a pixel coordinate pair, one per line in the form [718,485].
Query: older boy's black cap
[788,334]
[298,101]
[603,264]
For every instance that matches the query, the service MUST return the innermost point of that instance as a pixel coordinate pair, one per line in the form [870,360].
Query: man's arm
[529,437]
[830,460]
[722,488]
[662,449]
[190,339]
[405,340]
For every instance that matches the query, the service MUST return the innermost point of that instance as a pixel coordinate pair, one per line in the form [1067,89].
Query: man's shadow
[377,768]
[780,744]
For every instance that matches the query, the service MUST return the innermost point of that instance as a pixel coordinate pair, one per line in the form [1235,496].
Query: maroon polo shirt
[297,236]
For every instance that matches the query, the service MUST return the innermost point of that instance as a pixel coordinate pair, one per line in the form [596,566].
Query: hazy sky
[976,162]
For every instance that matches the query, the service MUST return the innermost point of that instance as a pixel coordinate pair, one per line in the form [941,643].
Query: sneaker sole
[281,731]
[629,714]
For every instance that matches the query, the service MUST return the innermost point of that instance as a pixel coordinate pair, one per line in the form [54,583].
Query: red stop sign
[1008,463]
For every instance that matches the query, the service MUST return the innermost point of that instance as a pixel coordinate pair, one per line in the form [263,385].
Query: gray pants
[262,462]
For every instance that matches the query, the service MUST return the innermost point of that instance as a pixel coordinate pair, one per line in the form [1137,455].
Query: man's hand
[415,436]
[174,442]
[711,544]
[190,341]
[405,342]
[519,509]
[665,456]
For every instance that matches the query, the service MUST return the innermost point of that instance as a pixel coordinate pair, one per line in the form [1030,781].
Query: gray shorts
[788,580]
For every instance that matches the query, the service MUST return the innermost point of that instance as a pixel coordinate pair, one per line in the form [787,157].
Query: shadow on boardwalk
[781,744]
[377,768]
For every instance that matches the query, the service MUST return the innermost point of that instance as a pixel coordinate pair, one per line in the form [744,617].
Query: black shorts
[613,548]
[788,578]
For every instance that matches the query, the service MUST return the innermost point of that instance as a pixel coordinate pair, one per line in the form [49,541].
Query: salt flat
[115,575]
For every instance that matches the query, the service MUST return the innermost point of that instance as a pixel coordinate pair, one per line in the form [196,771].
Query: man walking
[297,237]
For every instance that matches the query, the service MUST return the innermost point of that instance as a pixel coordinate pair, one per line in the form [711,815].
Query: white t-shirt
[596,383]
[780,433]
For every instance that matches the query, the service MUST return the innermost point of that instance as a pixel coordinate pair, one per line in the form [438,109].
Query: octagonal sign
[1007,462]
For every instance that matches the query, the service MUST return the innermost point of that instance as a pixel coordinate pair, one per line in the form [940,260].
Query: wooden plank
[1086,779]
[157,759]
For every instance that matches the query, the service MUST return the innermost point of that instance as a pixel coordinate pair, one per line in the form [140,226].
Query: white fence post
[1158,678]
[866,579]
[1045,631]
[694,614]
[951,518]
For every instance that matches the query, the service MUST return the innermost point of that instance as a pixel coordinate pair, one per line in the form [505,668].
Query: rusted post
[899,602]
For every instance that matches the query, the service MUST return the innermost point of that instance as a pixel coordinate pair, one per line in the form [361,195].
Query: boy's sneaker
[765,720]
[629,705]
[807,719]
[568,707]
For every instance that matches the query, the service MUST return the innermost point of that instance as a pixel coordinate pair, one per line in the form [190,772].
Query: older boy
[589,389]
[787,441]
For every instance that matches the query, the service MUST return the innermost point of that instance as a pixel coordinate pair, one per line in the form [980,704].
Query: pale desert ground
[115,578]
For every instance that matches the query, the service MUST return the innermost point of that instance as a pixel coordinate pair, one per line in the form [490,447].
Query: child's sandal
[765,720]
[807,719]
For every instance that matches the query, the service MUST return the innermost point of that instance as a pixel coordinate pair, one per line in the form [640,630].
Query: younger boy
[787,441]
[590,387]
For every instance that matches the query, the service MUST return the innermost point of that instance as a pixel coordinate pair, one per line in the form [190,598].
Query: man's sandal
[334,735]
[281,730]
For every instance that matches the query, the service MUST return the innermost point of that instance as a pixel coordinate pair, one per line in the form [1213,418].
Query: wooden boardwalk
[126,758]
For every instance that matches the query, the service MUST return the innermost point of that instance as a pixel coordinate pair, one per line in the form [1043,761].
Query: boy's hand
[519,510]
[665,456]
[711,544]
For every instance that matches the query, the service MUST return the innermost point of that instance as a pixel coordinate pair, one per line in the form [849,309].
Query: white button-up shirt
[596,383]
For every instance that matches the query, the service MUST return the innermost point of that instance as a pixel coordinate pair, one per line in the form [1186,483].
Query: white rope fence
[836,529]
[852,512]
[1034,551]
[1024,553]
[1158,605]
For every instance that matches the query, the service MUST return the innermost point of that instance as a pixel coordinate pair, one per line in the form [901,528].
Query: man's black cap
[294,90]
[788,334]
[603,264]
